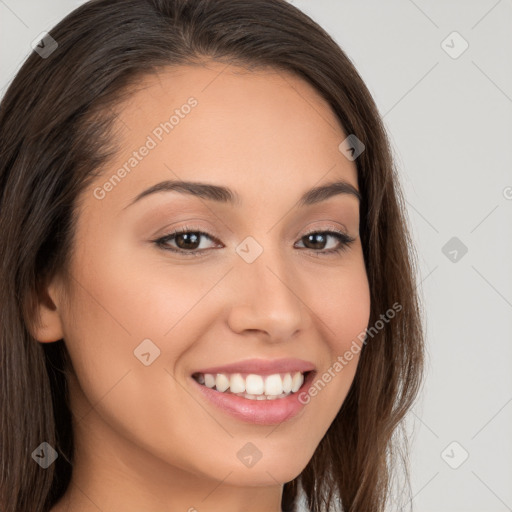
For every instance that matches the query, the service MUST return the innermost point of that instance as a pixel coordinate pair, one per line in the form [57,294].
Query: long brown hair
[56,123]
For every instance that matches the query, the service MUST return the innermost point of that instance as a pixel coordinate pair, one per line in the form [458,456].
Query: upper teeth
[270,385]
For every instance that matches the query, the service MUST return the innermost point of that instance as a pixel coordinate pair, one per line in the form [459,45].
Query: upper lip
[262,366]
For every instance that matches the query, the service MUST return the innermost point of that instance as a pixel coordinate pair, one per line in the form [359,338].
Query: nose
[268,297]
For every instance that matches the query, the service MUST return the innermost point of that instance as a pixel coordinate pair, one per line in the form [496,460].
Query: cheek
[341,301]
[112,312]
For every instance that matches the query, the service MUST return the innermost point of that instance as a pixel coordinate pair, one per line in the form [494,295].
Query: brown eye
[317,241]
[186,241]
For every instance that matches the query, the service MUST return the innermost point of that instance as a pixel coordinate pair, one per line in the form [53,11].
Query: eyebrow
[223,194]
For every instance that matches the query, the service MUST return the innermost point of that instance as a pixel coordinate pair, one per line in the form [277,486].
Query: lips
[257,411]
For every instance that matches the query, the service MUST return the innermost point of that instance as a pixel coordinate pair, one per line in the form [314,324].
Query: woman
[208,294]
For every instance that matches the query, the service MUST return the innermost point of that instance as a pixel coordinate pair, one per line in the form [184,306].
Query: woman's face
[141,319]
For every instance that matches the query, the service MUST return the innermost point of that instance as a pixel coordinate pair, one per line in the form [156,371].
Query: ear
[46,325]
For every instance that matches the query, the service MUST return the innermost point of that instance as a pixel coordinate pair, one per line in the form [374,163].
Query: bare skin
[145,438]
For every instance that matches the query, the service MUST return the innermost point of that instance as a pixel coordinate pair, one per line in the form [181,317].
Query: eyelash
[344,240]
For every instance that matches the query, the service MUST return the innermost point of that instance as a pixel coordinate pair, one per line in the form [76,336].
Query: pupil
[317,244]
[191,238]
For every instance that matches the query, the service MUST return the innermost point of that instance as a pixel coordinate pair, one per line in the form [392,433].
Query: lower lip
[261,412]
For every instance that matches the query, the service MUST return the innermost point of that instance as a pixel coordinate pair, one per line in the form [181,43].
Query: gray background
[450,123]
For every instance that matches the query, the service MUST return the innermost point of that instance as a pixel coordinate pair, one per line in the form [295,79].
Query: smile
[253,386]
[267,399]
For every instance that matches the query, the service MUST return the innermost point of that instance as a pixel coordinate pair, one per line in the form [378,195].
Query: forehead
[233,89]
[251,129]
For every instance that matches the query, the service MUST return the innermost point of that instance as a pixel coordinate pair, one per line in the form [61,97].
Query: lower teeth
[255,397]
[261,397]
